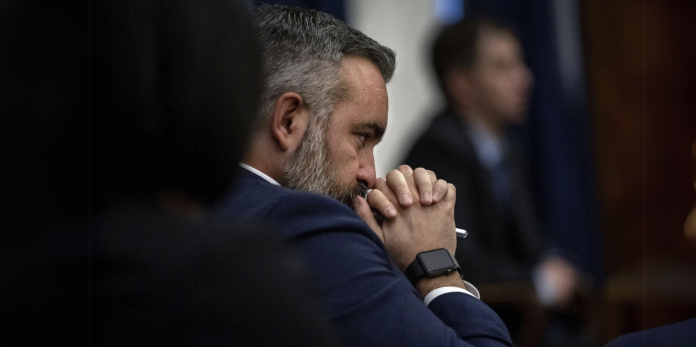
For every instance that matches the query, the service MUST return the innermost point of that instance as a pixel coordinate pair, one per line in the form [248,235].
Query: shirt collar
[489,148]
[260,174]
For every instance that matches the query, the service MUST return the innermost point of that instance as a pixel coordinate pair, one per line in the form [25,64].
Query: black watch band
[438,262]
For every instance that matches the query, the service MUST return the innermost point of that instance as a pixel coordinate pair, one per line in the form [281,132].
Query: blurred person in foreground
[44,108]
[323,111]
[176,85]
[486,84]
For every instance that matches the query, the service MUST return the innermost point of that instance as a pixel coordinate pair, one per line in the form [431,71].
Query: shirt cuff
[470,289]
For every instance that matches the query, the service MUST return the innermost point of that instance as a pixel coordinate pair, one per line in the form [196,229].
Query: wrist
[434,263]
[426,285]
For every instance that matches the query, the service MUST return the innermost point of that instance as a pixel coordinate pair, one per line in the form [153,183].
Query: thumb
[362,208]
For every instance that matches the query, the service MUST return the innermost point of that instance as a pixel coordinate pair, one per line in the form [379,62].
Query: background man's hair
[302,51]
[457,44]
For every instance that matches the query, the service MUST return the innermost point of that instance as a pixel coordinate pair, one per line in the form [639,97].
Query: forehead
[499,44]
[366,97]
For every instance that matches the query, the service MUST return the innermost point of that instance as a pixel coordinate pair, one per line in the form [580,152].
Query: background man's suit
[500,246]
[366,297]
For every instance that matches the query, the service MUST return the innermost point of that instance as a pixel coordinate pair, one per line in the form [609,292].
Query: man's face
[500,80]
[340,162]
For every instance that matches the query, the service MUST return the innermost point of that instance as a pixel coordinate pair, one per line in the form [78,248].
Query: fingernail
[405,199]
[436,196]
[391,212]
[427,197]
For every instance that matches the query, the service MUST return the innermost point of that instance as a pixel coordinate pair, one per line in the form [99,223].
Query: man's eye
[361,139]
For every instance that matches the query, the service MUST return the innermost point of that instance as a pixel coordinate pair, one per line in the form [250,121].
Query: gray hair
[303,50]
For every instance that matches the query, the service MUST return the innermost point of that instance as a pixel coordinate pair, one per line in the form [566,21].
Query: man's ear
[459,85]
[289,121]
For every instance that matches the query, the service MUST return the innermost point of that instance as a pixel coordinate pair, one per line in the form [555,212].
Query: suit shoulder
[294,212]
[313,209]
[443,133]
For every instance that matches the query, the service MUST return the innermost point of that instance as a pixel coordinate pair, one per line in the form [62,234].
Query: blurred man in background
[480,68]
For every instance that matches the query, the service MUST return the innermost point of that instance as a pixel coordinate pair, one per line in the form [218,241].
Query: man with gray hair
[324,108]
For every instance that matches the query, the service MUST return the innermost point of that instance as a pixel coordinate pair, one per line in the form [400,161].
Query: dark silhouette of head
[176,87]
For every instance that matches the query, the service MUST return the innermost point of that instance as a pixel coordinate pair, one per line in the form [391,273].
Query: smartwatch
[438,262]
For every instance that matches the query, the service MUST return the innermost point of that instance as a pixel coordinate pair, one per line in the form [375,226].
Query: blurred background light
[449,11]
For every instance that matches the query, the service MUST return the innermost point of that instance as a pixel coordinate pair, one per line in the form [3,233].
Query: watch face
[438,259]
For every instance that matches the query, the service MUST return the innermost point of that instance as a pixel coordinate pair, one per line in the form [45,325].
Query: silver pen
[461,232]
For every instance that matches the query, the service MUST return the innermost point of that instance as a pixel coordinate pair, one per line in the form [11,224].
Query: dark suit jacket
[161,280]
[497,249]
[370,301]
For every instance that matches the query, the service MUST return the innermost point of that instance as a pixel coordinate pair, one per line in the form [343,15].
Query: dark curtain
[557,137]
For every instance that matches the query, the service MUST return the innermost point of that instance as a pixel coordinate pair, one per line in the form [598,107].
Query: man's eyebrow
[373,128]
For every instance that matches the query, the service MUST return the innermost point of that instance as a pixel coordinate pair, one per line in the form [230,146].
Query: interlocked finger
[424,184]
[433,177]
[397,181]
[405,170]
[440,190]
[379,201]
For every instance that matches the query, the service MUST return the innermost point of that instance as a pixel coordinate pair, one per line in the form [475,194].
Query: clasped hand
[419,211]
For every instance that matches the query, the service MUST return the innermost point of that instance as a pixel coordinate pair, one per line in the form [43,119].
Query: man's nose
[366,174]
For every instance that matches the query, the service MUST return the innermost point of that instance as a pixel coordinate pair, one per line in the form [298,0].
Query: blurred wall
[407,27]
[642,75]
[641,71]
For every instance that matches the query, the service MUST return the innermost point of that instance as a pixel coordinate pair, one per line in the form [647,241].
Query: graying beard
[309,169]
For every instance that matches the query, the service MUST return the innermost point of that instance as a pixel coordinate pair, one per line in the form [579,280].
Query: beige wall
[407,27]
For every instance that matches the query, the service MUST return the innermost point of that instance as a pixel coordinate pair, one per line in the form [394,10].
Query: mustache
[361,190]
[347,195]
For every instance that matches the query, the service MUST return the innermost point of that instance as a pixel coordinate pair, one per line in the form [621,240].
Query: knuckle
[392,174]
[406,170]
[404,167]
